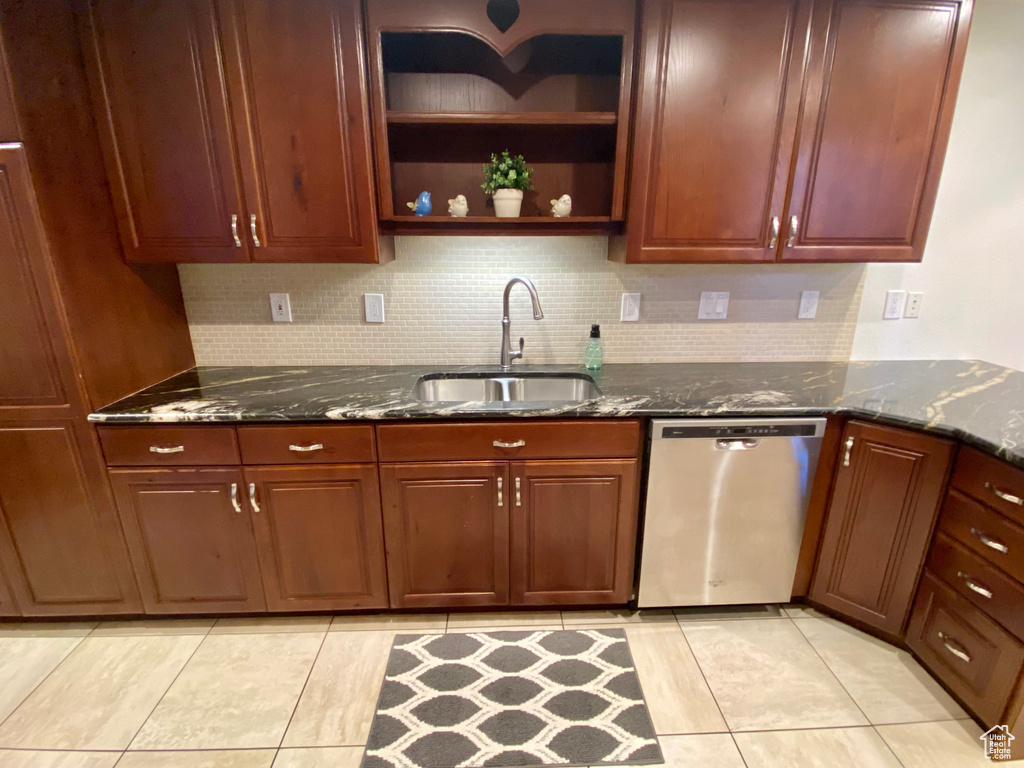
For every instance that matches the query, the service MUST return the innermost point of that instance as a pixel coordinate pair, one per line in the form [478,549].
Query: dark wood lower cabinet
[886,495]
[573,531]
[320,537]
[446,527]
[191,539]
[7,604]
[60,542]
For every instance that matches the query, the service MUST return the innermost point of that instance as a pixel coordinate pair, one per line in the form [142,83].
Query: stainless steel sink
[521,389]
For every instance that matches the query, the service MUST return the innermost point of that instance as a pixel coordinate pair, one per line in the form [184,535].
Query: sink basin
[487,388]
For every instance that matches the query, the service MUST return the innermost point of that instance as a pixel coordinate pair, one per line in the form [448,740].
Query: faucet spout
[507,353]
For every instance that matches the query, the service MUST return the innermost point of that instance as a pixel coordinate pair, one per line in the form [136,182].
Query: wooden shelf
[395,117]
[524,225]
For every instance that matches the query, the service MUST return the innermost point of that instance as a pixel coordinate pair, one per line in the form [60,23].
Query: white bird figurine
[561,207]
[458,208]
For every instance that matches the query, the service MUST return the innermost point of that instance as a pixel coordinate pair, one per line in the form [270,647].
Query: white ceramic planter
[508,203]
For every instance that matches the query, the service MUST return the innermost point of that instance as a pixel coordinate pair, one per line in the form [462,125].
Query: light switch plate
[280,308]
[808,305]
[894,301]
[374,306]
[914,299]
[630,308]
[714,305]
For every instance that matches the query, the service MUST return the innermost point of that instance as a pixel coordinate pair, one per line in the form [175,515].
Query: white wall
[973,268]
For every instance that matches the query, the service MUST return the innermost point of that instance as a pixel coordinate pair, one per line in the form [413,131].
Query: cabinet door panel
[7,604]
[716,127]
[883,510]
[876,119]
[29,373]
[447,533]
[573,531]
[298,81]
[161,104]
[193,550]
[320,537]
[62,547]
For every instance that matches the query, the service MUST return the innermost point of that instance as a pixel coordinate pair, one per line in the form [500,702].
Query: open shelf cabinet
[449,87]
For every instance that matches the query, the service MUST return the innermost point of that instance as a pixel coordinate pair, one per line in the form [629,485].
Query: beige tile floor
[772,687]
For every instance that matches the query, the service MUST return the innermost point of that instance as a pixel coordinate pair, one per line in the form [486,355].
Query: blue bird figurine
[422,206]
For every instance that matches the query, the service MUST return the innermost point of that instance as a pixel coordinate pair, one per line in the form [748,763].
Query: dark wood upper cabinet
[879,99]
[885,500]
[161,103]
[715,123]
[573,531]
[191,539]
[796,130]
[447,533]
[297,69]
[234,130]
[320,537]
[60,541]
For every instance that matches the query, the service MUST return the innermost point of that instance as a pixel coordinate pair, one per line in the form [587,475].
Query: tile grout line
[164,694]
[743,758]
[305,682]
[703,677]
[888,746]
[46,677]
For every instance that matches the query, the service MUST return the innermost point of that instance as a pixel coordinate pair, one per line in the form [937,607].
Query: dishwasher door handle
[739,444]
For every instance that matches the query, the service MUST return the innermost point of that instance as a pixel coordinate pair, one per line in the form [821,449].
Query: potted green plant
[505,179]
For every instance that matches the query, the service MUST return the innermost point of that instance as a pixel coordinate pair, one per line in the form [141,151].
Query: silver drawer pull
[519,496]
[989,542]
[974,586]
[794,227]
[252,498]
[234,230]
[1005,496]
[234,498]
[306,448]
[252,228]
[503,444]
[849,450]
[776,227]
[954,647]
[171,449]
[501,499]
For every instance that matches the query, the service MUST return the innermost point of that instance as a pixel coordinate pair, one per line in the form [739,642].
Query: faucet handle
[522,343]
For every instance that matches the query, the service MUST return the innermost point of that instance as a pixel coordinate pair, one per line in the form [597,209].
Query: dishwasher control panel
[733,431]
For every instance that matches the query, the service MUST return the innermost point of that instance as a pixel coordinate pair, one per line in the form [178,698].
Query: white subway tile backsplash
[443,298]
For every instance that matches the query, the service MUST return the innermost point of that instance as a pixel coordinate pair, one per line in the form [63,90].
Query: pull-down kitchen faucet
[507,353]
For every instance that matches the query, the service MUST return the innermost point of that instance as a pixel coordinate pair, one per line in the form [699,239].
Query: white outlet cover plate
[914,299]
[630,308]
[894,302]
[808,305]
[280,308]
[714,305]
[373,304]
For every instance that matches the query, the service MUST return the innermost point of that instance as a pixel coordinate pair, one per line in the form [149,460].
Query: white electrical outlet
[894,301]
[630,308]
[808,305]
[374,306]
[714,305]
[914,299]
[280,308]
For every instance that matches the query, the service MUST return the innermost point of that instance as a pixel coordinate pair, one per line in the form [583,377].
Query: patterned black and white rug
[546,698]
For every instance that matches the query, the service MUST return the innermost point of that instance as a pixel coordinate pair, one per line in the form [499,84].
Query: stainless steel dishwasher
[726,504]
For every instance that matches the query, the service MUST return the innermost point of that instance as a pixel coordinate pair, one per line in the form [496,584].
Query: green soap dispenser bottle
[594,355]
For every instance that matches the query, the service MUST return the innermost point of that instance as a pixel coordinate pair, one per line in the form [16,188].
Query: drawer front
[991,481]
[985,533]
[514,440]
[307,445]
[168,446]
[984,585]
[964,648]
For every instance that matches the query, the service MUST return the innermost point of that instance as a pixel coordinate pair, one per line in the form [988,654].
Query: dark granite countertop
[980,403]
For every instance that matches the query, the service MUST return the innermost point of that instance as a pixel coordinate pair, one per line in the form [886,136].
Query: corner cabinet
[885,500]
[527,513]
[791,130]
[235,130]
